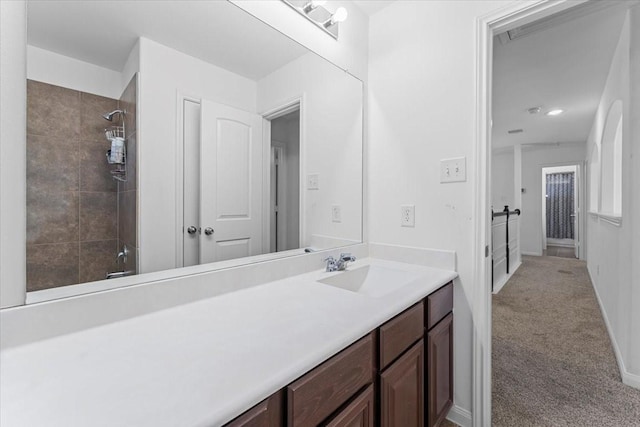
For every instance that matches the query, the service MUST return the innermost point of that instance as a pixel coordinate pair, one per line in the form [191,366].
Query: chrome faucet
[122,255]
[339,264]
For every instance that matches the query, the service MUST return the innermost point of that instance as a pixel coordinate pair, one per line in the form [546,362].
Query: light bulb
[340,15]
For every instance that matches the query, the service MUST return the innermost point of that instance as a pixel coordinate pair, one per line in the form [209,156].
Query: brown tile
[92,123]
[127,217]
[50,266]
[52,217]
[98,216]
[52,163]
[94,169]
[132,159]
[52,111]
[128,103]
[97,259]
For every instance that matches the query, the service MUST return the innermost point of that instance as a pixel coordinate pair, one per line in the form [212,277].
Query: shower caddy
[119,169]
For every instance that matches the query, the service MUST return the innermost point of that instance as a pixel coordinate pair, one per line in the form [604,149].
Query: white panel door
[231,183]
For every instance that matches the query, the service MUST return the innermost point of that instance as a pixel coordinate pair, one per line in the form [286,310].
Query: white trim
[512,15]
[610,219]
[285,107]
[531,253]
[181,98]
[460,416]
[498,286]
[628,378]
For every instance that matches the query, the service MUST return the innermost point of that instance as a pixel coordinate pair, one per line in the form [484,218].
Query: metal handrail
[505,212]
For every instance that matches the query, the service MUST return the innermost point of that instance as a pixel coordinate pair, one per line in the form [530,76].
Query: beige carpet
[553,364]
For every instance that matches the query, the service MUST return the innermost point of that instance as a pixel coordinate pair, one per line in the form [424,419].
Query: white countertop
[199,364]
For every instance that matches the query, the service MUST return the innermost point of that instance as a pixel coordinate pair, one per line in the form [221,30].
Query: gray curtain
[560,205]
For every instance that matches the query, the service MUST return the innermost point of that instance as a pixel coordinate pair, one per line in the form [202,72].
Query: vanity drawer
[439,304]
[267,413]
[316,395]
[399,333]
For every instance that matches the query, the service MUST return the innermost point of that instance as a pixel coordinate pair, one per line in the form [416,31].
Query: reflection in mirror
[199,136]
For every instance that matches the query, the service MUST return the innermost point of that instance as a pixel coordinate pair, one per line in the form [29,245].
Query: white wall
[533,160]
[502,179]
[613,261]
[422,109]
[13,169]
[53,68]
[331,143]
[164,73]
[348,52]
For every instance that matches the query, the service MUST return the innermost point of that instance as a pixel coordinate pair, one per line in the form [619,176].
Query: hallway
[553,363]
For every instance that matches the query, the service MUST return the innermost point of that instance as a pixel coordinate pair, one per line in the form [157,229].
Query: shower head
[109,116]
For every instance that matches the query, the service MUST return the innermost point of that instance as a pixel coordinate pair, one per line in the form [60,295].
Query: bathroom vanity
[310,349]
[400,374]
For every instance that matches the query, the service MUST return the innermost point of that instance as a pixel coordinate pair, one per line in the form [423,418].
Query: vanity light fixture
[340,15]
[555,112]
[316,13]
[312,5]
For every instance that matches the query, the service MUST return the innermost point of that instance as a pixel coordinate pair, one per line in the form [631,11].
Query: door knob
[208,231]
[192,230]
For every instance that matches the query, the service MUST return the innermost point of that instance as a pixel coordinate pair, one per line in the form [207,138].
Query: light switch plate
[408,216]
[453,170]
[336,213]
[313,181]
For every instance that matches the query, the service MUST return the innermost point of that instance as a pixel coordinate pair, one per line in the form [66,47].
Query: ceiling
[562,66]
[372,6]
[103,32]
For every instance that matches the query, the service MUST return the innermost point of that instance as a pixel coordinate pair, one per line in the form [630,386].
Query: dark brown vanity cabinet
[268,413]
[314,397]
[439,349]
[402,369]
[400,375]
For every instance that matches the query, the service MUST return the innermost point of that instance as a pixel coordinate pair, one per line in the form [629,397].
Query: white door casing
[231,159]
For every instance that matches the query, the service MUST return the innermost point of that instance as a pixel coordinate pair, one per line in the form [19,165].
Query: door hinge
[486,251]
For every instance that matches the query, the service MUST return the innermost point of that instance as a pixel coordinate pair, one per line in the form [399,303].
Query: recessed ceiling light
[555,112]
[534,110]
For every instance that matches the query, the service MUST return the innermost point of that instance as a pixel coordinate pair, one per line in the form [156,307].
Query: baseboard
[498,286]
[531,253]
[460,416]
[632,380]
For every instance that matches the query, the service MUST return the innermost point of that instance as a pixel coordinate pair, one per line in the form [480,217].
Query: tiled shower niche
[78,216]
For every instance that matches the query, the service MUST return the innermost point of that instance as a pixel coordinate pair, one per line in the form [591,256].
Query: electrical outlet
[453,170]
[336,213]
[408,216]
[313,181]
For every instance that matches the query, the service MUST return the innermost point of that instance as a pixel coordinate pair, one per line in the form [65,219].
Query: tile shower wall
[72,201]
[127,191]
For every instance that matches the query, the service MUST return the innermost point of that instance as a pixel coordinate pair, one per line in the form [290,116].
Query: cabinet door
[267,413]
[358,413]
[440,370]
[402,390]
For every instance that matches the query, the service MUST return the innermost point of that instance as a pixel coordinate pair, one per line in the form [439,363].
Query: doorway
[284,212]
[560,204]
[508,19]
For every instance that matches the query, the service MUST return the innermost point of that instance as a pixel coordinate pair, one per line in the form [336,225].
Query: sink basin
[371,280]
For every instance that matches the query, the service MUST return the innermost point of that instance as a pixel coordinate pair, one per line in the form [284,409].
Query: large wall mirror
[177,134]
